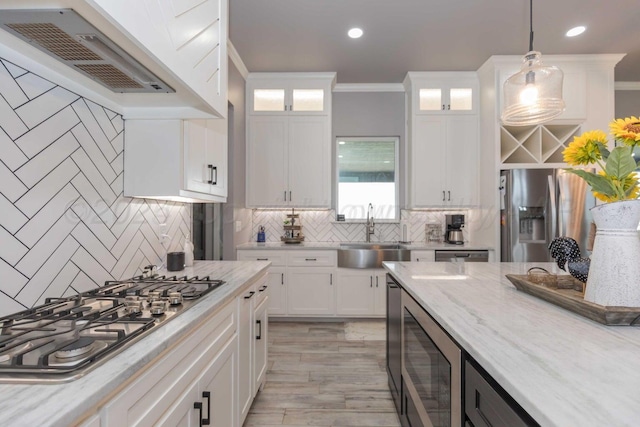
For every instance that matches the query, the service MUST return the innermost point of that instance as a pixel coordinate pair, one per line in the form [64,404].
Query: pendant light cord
[530,25]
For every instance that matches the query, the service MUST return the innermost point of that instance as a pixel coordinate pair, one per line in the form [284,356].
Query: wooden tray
[573,300]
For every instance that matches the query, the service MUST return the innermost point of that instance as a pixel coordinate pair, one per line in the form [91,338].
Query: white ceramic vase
[614,273]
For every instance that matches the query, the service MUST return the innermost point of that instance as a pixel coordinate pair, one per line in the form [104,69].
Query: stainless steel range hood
[69,38]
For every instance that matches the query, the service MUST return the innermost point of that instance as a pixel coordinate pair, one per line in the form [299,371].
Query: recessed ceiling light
[576,31]
[355,33]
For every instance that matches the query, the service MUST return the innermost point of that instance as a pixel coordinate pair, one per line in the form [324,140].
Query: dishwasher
[462,256]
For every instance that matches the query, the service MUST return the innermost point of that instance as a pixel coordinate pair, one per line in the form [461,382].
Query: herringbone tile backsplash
[65,226]
[320,226]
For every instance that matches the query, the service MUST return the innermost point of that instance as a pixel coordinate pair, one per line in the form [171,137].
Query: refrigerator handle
[553,217]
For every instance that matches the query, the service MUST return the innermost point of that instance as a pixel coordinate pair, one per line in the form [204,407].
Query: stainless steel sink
[370,255]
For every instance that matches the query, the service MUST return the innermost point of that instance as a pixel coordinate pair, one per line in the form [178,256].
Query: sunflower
[626,130]
[584,149]
[629,183]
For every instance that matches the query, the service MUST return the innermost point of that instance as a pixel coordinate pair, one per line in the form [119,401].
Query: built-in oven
[431,370]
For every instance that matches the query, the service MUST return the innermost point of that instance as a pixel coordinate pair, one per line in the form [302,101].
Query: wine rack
[539,144]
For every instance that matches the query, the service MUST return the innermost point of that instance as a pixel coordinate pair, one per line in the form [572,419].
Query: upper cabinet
[182,160]
[443,92]
[290,94]
[189,38]
[289,140]
[442,148]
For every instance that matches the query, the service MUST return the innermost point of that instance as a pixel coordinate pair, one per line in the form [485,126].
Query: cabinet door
[355,292]
[462,160]
[380,291]
[277,291]
[309,162]
[309,97]
[195,156]
[428,161]
[310,290]
[423,256]
[260,336]
[267,180]
[245,341]
[219,381]
[216,156]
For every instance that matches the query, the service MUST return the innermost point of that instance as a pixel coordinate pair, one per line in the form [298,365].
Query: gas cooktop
[66,337]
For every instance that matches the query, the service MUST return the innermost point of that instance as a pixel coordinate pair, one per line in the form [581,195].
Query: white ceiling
[424,35]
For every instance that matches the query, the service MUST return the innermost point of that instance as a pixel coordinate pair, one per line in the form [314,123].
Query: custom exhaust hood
[68,37]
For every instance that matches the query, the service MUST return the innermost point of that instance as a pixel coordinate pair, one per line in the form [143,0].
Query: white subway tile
[94,246]
[11,219]
[44,106]
[34,85]
[94,153]
[47,132]
[10,185]
[39,166]
[11,249]
[10,122]
[94,129]
[11,91]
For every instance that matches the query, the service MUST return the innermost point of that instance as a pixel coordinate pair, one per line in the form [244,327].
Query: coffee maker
[455,223]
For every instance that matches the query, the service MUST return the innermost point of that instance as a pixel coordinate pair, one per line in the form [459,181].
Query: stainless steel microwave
[431,370]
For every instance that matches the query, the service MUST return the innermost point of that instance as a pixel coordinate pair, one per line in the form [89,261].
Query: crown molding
[627,85]
[237,61]
[368,87]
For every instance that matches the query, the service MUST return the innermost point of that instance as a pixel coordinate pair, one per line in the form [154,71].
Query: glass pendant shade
[534,94]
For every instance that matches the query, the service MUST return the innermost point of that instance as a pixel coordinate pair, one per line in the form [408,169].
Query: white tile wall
[320,226]
[65,226]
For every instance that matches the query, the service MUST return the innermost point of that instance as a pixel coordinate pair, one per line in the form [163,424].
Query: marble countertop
[336,245]
[563,369]
[61,404]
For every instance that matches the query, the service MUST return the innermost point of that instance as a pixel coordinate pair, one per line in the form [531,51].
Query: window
[367,173]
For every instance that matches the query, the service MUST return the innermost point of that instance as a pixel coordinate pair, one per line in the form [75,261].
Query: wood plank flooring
[325,374]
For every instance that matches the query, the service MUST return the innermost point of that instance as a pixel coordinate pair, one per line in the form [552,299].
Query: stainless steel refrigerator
[537,205]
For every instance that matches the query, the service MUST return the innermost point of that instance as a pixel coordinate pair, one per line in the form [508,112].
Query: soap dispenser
[188,252]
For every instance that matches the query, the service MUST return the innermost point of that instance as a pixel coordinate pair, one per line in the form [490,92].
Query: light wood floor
[318,377]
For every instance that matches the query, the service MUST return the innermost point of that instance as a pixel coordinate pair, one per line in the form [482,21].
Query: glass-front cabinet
[443,92]
[281,93]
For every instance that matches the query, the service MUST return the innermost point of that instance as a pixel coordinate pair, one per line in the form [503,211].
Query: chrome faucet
[370,228]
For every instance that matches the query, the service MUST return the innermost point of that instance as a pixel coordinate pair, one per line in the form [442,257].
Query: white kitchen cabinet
[289,140]
[276,276]
[423,256]
[443,161]
[252,351]
[442,149]
[260,337]
[209,401]
[172,386]
[360,292]
[443,93]
[288,161]
[310,291]
[184,160]
[290,93]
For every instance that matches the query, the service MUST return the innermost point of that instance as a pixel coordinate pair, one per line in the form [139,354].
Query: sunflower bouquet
[617,178]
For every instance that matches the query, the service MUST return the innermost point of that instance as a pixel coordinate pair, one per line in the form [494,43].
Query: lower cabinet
[310,290]
[252,343]
[360,292]
[209,378]
[276,278]
[486,406]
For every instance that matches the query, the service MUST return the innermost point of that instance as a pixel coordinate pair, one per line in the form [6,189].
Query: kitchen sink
[370,255]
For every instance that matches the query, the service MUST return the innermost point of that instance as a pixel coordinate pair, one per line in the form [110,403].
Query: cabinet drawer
[262,290]
[485,406]
[276,257]
[312,258]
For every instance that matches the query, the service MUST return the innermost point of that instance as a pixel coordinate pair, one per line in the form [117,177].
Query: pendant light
[534,94]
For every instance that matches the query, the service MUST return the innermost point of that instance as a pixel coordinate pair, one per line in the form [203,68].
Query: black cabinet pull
[443,196]
[371,281]
[262,259]
[331,278]
[310,259]
[259,336]
[449,195]
[198,406]
[282,278]
[443,106]
[290,199]
[250,295]
[212,169]
[262,289]
[285,195]
[449,107]
[207,421]
[376,281]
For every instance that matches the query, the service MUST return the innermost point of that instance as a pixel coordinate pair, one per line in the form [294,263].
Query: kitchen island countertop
[563,369]
[61,404]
